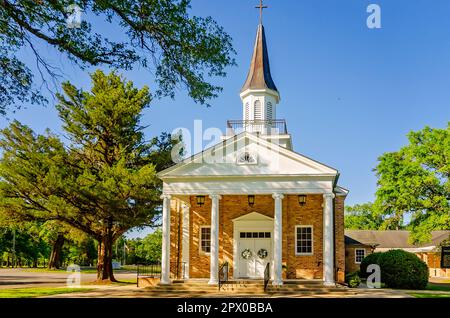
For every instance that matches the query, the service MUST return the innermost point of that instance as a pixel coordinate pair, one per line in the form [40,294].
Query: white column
[328,240]
[165,261]
[214,255]
[278,240]
[185,250]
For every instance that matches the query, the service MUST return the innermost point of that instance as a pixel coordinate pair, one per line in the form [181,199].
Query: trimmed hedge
[404,270]
[369,259]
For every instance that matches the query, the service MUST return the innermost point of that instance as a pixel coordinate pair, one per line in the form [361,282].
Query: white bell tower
[260,98]
[259,94]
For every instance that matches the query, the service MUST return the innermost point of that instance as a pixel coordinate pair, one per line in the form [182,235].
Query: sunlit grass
[426,295]
[38,292]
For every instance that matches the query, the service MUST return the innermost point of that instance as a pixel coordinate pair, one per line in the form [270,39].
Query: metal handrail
[266,276]
[223,274]
[177,270]
[269,127]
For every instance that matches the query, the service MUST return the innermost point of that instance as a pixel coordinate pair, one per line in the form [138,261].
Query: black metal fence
[223,274]
[266,276]
[177,270]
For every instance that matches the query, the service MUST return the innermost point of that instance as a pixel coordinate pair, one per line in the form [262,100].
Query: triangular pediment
[253,216]
[228,158]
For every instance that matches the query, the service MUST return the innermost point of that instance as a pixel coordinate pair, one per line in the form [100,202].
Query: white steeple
[260,98]
[259,94]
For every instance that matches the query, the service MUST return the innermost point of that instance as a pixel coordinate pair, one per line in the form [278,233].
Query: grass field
[438,287]
[430,295]
[38,292]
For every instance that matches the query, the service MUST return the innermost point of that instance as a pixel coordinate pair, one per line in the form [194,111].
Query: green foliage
[149,251]
[415,180]
[400,269]
[104,182]
[353,280]
[362,217]
[179,49]
[368,260]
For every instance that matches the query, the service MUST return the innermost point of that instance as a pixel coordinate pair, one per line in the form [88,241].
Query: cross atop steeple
[261,7]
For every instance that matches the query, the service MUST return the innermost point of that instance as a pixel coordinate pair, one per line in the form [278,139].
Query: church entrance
[252,245]
[255,253]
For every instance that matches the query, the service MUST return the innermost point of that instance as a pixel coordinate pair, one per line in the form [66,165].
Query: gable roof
[390,239]
[196,166]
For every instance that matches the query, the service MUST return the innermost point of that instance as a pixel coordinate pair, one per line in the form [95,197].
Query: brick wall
[234,206]
[339,229]
[350,265]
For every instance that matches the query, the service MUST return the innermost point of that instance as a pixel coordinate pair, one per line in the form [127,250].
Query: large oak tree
[160,35]
[102,180]
[415,181]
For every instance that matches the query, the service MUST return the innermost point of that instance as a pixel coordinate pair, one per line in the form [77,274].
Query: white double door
[252,264]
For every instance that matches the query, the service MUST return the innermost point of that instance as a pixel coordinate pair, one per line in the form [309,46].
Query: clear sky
[349,93]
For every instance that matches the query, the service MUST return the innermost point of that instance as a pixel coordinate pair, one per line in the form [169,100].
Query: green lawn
[37,292]
[425,295]
[438,287]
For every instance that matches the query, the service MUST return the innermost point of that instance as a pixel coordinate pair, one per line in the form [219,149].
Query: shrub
[369,259]
[400,269]
[353,279]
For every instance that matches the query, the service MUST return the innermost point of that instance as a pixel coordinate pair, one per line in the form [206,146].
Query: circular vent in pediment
[246,158]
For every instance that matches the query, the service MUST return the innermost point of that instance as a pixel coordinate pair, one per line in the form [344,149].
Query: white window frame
[359,249]
[201,251]
[312,240]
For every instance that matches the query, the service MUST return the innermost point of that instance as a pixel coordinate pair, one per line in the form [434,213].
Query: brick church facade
[251,202]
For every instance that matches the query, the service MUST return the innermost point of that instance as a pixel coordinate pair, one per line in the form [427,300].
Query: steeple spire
[259,76]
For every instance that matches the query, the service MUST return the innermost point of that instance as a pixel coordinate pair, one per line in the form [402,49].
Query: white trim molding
[356,254]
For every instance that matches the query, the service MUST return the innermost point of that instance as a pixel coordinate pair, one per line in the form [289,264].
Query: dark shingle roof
[390,239]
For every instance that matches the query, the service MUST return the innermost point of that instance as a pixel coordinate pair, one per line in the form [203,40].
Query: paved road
[20,278]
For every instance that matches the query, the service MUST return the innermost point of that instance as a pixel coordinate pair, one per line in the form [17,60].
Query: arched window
[258,110]
[269,111]
[247,111]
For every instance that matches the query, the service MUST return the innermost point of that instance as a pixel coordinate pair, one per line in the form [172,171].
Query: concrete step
[249,287]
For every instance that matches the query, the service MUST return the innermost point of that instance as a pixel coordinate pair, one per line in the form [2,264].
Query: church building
[251,207]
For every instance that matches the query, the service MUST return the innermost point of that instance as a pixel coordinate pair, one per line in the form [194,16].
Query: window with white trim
[360,253]
[304,240]
[205,239]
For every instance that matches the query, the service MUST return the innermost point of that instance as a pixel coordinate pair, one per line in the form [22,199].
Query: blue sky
[349,93]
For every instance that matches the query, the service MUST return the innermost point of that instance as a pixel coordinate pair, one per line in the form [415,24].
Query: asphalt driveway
[21,278]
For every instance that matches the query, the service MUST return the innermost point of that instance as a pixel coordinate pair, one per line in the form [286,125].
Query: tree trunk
[105,256]
[54,261]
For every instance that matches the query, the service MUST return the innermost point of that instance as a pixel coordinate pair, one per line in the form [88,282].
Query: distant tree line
[33,245]
[413,190]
